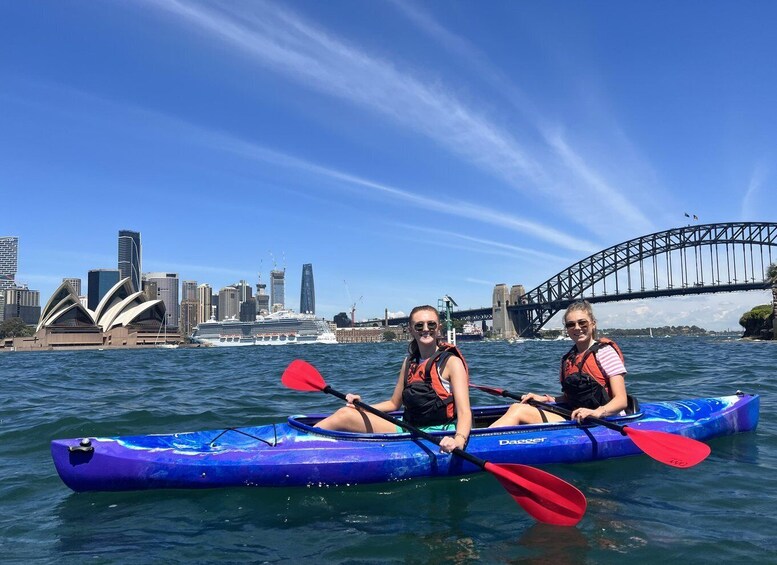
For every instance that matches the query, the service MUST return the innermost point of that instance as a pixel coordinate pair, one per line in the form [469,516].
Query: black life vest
[426,401]
[585,383]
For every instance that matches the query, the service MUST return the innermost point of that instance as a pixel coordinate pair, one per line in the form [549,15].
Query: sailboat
[651,331]
[164,344]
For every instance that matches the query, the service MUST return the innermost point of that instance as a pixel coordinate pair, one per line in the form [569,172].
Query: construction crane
[353,304]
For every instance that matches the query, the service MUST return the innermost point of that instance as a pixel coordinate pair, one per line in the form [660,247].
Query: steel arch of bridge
[674,246]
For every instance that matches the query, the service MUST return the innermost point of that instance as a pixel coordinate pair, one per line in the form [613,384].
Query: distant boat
[469,332]
[651,331]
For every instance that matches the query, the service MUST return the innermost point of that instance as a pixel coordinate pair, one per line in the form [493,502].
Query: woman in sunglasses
[592,376]
[433,388]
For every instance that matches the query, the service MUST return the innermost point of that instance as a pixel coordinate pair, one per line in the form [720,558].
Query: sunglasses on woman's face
[582,323]
[419,326]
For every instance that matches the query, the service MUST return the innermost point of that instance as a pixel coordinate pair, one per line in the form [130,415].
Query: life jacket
[582,378]
[426,401]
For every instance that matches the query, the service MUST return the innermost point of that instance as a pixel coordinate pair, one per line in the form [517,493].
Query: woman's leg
[520,413]
[349,419]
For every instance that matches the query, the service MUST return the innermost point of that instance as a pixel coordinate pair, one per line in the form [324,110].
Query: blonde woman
[592,376]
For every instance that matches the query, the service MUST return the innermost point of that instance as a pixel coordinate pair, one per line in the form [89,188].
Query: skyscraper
[167,291]
[205,302]
[277,289]
[229,303]
[75,283]
[98,283]
[188,290]
[262,298]
[129,256]
[9,254]
[307,295]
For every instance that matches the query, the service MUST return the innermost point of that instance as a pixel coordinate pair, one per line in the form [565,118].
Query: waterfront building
[123,318]
[307,295]
[248,310]
[9,255]
[189,316]
[277,289]
[204,302]
[20,302]
[98,283]
[74,282]
[188,290]
[130,256]
[262,298]
[229,304]
[167,292]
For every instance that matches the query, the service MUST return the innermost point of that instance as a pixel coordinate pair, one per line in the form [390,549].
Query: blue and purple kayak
[294,453]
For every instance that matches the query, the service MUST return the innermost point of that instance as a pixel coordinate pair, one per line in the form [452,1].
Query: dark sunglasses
[419,326]
[582,323]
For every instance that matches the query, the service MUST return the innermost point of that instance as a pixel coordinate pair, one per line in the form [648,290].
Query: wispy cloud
[456,208]
[288,45]
[583,176]
[749,209]
[486,245]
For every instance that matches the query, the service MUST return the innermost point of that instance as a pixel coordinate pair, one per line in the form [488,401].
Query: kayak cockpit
[482,417]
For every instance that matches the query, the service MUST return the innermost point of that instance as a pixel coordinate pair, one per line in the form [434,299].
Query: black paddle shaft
[409,427]
[567,413]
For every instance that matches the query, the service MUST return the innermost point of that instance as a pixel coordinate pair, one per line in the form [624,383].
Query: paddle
[545,497]
[671,449]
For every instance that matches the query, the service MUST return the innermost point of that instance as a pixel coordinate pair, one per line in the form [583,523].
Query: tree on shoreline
[15,327]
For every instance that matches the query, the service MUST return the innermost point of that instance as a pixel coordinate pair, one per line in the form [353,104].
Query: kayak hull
[294,453]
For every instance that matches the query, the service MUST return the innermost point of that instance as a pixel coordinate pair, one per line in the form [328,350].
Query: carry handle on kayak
[670,449]
[544,496]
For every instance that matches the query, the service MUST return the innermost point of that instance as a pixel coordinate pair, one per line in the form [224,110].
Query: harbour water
[640,511]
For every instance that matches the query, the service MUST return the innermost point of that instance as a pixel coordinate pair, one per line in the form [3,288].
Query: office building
[20,302]
[307,295]
[98,283]
[9,255]
[204,302]
[277,289]
[75,283]
[248,310]
[167,292]
[189,314]
[188,290]
[262,298]
[229,303]
[129,257]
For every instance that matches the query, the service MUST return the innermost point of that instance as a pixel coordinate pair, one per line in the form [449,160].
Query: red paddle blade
[545,497]
[671,449]
[301,375]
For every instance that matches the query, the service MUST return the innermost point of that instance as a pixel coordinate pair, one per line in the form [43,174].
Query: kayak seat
[633,405]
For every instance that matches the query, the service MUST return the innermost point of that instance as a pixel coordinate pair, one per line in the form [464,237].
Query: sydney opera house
[123,318]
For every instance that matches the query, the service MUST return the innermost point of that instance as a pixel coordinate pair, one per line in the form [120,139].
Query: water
[639,510]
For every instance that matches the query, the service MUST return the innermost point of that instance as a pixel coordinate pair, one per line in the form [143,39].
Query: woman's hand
[581,414]
[449,443]
[536,397]
[351,398]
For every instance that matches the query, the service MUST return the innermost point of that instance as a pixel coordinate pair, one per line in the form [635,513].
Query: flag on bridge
[695,217]
[686,215]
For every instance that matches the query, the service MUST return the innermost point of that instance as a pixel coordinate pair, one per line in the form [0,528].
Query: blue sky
[407,149]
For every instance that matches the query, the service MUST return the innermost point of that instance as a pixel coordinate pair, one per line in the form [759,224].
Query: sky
[408,150]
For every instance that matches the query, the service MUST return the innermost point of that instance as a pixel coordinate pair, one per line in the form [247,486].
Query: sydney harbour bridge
[695,259]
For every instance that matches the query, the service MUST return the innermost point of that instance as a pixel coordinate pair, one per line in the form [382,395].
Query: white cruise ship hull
[281,328]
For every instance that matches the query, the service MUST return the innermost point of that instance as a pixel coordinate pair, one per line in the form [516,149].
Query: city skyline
[499,142]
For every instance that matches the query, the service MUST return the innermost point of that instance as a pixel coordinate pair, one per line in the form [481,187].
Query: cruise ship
[279,328]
